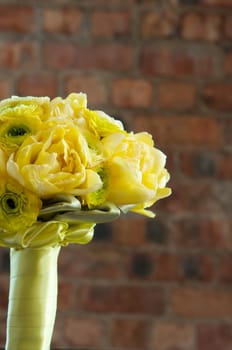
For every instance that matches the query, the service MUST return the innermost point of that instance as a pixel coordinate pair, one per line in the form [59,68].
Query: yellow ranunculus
[55,160]
[19,207]
[20,117]
[136,173]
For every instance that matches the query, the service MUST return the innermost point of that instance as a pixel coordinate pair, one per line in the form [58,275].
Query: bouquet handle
[32,298]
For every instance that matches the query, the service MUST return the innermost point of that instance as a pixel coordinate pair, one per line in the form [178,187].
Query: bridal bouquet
[63,169]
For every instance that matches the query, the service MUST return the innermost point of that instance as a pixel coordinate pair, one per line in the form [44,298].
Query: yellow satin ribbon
[32,298]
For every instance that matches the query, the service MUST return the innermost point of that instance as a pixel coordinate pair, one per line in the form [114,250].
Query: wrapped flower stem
[32,298]
[33,271]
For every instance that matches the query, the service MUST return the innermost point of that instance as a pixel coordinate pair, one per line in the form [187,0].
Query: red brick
[218,96]
[3,330]
[88,263]
[228,64]
[116,57]
[201,303]
[227,132]
[177,61]
[109,24]
[224,167]
[214,337]
[65,20]
[43,84]
[228,27]
[115,3]
[129,333]
[57,337]
[5,88]
[192,26]
[158,231]
[59,54]
[202,233]
[16,18]
[95,88]
[15,54]
[167,335]
[177,95]
[64,295]
[132,93]
[225,269]
[199,163]
[198,267]
[166,267]
[196,197]
[207,268]
[181,130]
[4,291]
[83,331]
[140,265]
[129,232]
[200,26]
[171,267]
[220,3]
[206,164]
[144,300]
[158,24]
[4,262]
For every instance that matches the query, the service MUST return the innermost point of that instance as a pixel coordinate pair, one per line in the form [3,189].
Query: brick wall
[164,66]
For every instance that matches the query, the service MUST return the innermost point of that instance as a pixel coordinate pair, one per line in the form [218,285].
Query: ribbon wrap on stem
[32,298]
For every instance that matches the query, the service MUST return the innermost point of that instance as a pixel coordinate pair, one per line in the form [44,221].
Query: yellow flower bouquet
[64,168]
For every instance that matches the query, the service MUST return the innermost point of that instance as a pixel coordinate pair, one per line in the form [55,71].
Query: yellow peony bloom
[20,117]
[55,160]
[77,101]
[137,176]
[72,106]
[97,123]
[19,207]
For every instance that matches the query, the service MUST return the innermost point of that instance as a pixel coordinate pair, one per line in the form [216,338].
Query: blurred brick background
[164,66]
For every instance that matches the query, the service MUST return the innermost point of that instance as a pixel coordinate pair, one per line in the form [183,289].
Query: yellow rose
[136,171]
[55,160]
[20,117]
[19,207]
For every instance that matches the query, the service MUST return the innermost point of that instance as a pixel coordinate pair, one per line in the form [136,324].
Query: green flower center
[16,131]
[98,197]
[10,203]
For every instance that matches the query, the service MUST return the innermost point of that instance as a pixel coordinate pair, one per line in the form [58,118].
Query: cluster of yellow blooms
[58,152]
